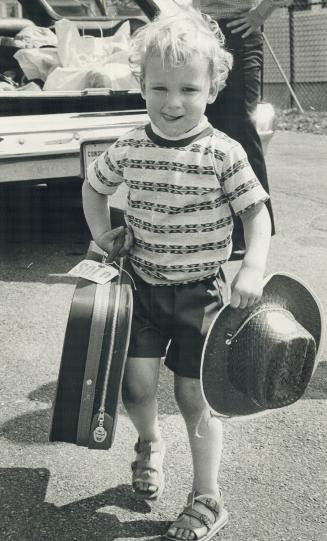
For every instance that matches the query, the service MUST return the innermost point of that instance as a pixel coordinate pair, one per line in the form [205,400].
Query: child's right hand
[116,242]
[246,287]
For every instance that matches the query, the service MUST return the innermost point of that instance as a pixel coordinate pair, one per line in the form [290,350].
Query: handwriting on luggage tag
[100,273]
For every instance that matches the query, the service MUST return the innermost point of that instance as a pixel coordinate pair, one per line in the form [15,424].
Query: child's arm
[247,285]
[97,215]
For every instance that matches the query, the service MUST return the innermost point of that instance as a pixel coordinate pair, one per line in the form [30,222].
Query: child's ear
[213,92]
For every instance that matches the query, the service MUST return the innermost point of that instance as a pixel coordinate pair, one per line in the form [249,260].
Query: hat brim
[282,289]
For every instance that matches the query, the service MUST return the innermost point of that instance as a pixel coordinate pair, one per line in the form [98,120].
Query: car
[57,105]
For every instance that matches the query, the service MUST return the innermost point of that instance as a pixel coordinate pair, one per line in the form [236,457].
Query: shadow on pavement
[43,232]
[26,516]
[33,428]
[41,213]
[38,422]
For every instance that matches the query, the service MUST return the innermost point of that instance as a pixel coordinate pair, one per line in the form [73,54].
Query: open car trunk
[20,103]
[52,64]
[64,80]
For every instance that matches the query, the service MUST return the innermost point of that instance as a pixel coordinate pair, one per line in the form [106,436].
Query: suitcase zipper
[99,315]
[99,432]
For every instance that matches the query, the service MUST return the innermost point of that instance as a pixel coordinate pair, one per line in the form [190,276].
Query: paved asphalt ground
[273,472]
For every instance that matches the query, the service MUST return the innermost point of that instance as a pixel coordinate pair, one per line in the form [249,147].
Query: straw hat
[262,358]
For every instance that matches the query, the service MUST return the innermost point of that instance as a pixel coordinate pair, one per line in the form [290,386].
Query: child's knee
[137,391]
[189,397]
[140,381]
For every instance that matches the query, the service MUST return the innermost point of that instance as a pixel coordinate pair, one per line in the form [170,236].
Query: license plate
[90,150]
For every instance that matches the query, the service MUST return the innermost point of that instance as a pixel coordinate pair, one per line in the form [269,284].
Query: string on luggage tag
[121,268]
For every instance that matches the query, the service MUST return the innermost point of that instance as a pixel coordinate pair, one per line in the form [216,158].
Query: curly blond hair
[176,38]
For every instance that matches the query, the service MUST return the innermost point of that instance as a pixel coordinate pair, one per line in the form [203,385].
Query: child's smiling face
[176,97]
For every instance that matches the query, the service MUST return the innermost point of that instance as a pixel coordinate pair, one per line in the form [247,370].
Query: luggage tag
[97,272]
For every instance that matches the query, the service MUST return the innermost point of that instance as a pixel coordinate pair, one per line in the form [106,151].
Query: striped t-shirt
[180,196]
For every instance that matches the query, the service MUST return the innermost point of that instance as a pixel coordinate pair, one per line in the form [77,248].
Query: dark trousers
[231,112]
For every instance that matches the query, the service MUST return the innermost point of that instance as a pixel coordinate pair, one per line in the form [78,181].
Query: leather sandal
[147,468]
[213,517]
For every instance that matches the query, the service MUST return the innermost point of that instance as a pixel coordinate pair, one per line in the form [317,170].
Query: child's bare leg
[139,397]
[205,436]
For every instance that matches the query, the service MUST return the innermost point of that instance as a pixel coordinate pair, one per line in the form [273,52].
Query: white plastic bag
[37,36]
[90,62]
[115,76]
[37,63]
[30,87]
[85,51]
[66,79]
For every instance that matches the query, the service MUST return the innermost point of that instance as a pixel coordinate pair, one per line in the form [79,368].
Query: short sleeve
[105,173]
[239,182]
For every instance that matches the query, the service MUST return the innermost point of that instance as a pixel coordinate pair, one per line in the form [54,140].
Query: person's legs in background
[232,112]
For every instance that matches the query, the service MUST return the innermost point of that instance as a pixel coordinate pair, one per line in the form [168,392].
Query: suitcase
[93,358]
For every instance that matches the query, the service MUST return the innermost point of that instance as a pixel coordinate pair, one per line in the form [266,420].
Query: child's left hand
[246,287]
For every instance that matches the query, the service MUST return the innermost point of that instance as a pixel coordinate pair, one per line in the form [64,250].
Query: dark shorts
[172,321]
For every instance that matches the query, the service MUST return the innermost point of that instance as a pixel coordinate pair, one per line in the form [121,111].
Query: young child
[183,178]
